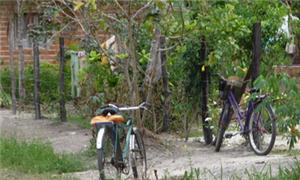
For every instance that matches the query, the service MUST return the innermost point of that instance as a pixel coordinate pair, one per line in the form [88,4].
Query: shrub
[35,157]
[49,80]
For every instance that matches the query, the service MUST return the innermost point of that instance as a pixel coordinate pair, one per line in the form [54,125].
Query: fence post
[12,68]
[256,50]
[36,68]
[62,81]
[204,94]
[166,90]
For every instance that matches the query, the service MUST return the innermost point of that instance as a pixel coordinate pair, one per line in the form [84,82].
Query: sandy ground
[171,157]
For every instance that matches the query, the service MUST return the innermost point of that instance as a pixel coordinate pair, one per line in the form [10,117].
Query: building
[7,18]
[48,52]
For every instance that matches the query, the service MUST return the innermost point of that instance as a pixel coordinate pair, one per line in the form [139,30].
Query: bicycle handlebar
[129,108]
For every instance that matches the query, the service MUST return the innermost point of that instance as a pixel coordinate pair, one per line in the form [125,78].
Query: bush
[49,80]
[5,99]
[35,157]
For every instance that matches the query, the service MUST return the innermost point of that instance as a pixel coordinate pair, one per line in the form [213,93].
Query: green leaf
[122,56]
[78,5]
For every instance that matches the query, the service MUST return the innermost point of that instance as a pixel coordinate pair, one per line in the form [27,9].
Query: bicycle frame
[239,114]
[119,154]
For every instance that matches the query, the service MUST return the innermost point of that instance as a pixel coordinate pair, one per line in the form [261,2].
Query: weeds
[35,157]
[292,173]
[194,173]
[80,120]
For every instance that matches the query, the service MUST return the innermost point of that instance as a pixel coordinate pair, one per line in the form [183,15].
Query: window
[28,19]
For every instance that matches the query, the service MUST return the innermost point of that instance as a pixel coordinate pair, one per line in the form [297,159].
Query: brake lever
[144,107]
[114,106]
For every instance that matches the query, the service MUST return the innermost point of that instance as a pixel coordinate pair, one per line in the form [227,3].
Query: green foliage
[35,157]
[290,173]
[97,84]
[287,173]
[80,120]
[283,90]
[94,56]
[194,173]
[49,76]
[5,99]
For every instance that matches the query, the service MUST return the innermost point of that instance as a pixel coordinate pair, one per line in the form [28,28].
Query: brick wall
[293,71]
[7,11]
[49,54]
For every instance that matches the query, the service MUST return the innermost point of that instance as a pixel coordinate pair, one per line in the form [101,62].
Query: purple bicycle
[259,126]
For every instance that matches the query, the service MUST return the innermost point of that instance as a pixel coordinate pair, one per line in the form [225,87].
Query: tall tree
[12,67]
[36,68]
[62,109]
[20,14]
[204,94]
[166,89]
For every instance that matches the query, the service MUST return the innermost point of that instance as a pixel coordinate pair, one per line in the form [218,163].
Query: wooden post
[62,81]
[253,70]
[204,94]
[166,90]
[12,68]
[74,75]
[21,52]
[256,50]
[36,68]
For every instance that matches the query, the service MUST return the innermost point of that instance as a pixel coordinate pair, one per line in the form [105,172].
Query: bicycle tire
[259,128]
[138,157]
[222,126]
[104,159]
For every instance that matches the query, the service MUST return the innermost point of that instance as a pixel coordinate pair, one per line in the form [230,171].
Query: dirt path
[171,157]
[64,137]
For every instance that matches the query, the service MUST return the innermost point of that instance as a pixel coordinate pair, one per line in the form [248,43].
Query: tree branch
[138,12]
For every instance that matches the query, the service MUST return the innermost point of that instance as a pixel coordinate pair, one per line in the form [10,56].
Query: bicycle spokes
[262,131]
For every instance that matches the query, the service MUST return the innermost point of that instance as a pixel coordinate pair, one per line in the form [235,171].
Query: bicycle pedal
[136,150]
[228,135]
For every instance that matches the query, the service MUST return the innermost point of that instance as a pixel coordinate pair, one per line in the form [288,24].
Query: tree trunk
[253,70]
[36,68]
[12,67]
[204,95]
[21,53]
[256,50]
[134,92]
[166,90]
[151,72]
[62,81]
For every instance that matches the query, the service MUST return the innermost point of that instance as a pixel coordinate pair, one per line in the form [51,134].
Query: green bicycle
[120,147]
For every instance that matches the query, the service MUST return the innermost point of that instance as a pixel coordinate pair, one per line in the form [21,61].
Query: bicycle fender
[271,109]
[100,137]
[132,139]
[131,143]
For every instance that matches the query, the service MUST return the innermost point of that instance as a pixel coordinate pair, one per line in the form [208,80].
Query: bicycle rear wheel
[223,124]
[138,156]
[262,126]
[105,155]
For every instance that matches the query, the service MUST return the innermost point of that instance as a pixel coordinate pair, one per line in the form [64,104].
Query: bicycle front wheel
[105,155]
[262,126]
[223,124]
[138,156]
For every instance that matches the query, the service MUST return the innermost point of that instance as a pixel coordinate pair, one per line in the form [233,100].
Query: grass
[8,174]
[35,157]
[291,173]
[80,120]
[292,152]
